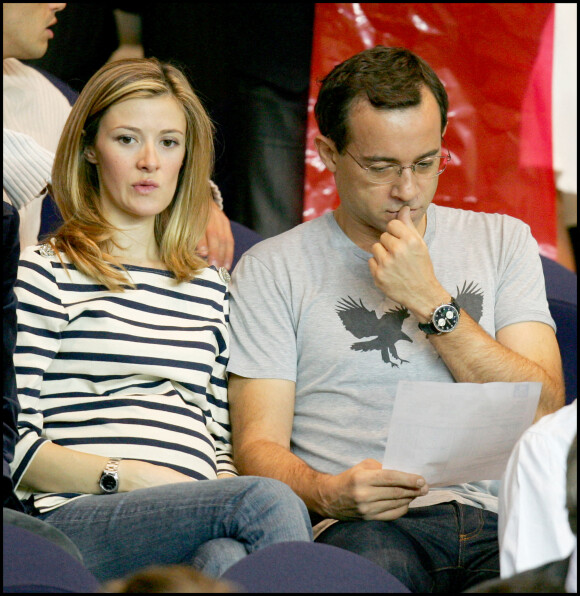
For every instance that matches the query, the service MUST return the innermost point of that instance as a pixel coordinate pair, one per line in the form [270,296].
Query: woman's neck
[134,247]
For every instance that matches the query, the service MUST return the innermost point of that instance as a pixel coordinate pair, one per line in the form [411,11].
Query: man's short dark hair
[389,78]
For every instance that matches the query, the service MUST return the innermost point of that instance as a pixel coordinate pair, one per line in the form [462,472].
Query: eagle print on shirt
[387,330]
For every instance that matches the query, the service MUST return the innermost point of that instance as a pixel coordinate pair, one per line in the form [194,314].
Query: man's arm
[402,269]
[262,412]
[521,352]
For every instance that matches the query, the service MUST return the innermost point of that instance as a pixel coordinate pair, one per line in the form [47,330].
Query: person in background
[124,434]
[10,405]
[533,522]
[250,65]
[555,576]
[36,108]
[327,318]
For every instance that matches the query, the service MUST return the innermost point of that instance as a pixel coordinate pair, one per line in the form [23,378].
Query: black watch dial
[446,318]
[108,482]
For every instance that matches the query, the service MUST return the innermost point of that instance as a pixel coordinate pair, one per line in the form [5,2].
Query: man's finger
[404,215]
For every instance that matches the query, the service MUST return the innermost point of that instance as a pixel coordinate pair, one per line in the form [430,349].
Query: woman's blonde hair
[85,236]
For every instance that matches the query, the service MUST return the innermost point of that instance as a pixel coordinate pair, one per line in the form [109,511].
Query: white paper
[451,433]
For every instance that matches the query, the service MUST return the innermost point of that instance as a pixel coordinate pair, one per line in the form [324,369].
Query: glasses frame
[412,167]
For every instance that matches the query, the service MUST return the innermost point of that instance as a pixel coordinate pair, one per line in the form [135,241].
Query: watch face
[445,318]
[108,482]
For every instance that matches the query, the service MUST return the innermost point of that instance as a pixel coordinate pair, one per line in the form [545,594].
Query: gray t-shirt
[304,307]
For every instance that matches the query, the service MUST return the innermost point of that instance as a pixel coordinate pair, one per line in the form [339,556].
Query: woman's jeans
[447,547]
[165,525]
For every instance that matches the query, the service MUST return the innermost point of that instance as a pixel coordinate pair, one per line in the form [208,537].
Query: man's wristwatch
[443,320]
[109,481]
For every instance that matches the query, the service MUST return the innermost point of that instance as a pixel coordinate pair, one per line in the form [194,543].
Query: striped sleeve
[41,319]
[219,427]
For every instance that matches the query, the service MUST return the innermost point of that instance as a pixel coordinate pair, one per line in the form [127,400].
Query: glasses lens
[429,168]
[426,168]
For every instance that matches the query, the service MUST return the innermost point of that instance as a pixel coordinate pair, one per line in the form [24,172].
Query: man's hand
[402,269]
[218,243]
[366,491]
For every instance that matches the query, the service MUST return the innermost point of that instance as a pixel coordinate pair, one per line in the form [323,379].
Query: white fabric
[533,522]
[34,106]
[26,170]
[565,97]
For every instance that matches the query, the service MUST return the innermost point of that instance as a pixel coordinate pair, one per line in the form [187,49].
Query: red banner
[495,61]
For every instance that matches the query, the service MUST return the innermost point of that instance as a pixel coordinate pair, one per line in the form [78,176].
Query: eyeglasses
[385,172]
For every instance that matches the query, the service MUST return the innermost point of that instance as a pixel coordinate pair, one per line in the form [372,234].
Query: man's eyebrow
[163,132]
[376,158]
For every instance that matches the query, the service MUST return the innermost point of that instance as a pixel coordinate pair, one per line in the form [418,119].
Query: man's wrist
[424,311]
[324,495]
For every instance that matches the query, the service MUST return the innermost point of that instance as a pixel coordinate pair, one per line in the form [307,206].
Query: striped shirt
[139,374]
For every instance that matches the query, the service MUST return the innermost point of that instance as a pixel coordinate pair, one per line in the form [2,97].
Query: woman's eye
[125,140]
[169,142]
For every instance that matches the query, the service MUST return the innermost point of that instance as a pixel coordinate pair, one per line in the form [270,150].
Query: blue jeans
[440,548]
[165,525]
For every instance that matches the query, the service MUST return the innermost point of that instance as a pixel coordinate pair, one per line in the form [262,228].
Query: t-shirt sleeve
[263,331]
[521,291]
[41,319]
[218,423]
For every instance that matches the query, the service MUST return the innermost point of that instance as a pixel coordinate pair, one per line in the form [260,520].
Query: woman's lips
[145,188]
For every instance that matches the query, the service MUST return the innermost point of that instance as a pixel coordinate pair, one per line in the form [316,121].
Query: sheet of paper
[452,433]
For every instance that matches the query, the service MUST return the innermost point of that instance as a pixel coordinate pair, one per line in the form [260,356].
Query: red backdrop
[495,61]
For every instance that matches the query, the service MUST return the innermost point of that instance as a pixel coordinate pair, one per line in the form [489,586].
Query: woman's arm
[60,469]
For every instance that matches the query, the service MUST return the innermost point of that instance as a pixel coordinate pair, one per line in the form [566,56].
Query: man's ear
[90,155]
[327,151]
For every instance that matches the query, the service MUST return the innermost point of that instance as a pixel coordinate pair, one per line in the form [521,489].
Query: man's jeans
[441,548]
[165,525]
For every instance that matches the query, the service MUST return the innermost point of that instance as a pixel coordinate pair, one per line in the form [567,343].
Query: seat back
[310,567]
[562,294]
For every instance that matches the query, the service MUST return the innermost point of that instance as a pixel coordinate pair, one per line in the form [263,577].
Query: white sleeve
[533,527]
[27,168]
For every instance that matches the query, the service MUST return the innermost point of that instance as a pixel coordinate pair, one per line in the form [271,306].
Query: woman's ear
[90,155]
[327,151]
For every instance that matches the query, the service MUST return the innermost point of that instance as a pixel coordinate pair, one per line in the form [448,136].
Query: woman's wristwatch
[109,481]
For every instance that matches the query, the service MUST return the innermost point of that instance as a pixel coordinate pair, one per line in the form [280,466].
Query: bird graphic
[470,298]
[387,330]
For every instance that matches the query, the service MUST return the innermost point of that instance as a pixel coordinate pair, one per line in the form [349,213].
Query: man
[328,317]
[34,113]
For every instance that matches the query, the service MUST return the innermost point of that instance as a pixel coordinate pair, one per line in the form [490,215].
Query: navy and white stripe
[139,374]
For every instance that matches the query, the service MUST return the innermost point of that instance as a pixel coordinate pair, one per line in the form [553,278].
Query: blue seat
[562,294]
[309,567]
[33,563]
[244,238]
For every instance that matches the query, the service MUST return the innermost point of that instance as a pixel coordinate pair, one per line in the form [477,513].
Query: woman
[123,344]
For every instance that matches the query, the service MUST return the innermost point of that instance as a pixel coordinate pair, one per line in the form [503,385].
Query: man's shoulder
[292,243]
[466,216]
